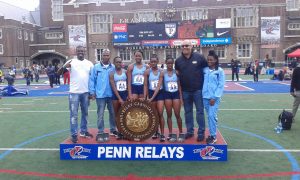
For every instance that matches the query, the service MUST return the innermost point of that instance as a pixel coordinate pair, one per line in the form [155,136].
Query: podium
[150,149]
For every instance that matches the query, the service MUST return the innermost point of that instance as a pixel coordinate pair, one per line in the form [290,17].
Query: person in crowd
[36,72]
[118,82]
[189,67]
[57,75]
[27,75]
[295,89]
[51,74]
[255,69]
[135,75]
[173,98]
[213,87]
[100,89]
[66,75]
[10,90]
[79,93]
[12,72]
[234,69]
[1,74]
[153,91]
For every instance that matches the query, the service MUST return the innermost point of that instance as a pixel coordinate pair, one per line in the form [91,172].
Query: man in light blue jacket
[100,89]
[213,86]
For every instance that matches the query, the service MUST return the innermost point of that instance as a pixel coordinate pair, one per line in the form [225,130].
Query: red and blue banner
[161,152]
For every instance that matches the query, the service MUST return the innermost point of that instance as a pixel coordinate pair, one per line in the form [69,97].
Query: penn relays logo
[207,153]
[75,152]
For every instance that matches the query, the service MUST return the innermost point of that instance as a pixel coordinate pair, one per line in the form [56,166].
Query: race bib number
[138,79]
[172,86]
[121,85]
[154,84]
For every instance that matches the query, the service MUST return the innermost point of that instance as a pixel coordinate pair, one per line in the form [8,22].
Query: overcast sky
[26,4]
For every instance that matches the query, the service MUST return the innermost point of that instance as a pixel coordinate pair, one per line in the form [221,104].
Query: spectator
[51,74]
[234,69]
[295,89]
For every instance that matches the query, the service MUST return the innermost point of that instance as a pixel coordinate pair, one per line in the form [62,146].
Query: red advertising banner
[196,29]
[119,27]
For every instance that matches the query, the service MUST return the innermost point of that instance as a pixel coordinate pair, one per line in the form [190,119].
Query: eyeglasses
[185,46]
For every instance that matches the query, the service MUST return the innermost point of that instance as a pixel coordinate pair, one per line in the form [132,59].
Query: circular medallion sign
[137,120]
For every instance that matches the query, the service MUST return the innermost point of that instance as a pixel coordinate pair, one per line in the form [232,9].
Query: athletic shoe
[211,140]
[162,138]
[100,138]
[155,135]
[114,133]
[86,135]
[74,139]
[188,136]
[200,138]
[181,137]
[120,136]
[172,138]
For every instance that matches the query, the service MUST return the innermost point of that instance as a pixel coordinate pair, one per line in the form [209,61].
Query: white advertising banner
[77,37]
[270,32]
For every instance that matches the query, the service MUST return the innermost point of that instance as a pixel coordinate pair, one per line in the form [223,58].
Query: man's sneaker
[74,139]
[200,138]
[188,136]
[162,138]
[155,135]
[114,133]
[211,140]
[100,138]
[86,135]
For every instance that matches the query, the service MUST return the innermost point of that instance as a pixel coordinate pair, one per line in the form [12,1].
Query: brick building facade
[96,19]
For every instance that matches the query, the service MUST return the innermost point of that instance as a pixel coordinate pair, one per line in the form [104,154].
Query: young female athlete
[118,82]
[135,76]
[154,91]
[214,80]
[173,98]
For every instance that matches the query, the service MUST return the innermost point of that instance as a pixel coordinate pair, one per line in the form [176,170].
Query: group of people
[194,80]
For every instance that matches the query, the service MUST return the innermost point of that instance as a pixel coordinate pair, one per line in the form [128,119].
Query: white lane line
[264,150]
[29,149]
[5,108]
[252,109]
[238,84]
[230,150]
[16,104]
[107,110]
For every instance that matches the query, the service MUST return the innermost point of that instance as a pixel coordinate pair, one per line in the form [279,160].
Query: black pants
[51,80]
[236,74]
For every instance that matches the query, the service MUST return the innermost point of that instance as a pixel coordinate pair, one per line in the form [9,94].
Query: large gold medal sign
[137,120]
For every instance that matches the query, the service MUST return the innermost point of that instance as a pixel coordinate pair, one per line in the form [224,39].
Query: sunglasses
[185,46]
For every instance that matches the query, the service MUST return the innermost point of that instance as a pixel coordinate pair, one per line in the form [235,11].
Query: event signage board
[161,152]
[161,34]
[215,41]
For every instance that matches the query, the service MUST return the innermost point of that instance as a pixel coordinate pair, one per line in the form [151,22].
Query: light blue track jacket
[99,80]
[214,81]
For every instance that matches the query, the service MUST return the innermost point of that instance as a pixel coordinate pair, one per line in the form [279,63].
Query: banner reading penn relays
[176,152]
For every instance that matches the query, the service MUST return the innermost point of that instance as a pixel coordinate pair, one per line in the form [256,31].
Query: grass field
[37,125]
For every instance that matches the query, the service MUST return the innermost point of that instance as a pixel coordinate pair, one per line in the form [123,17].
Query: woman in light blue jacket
[214,80]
